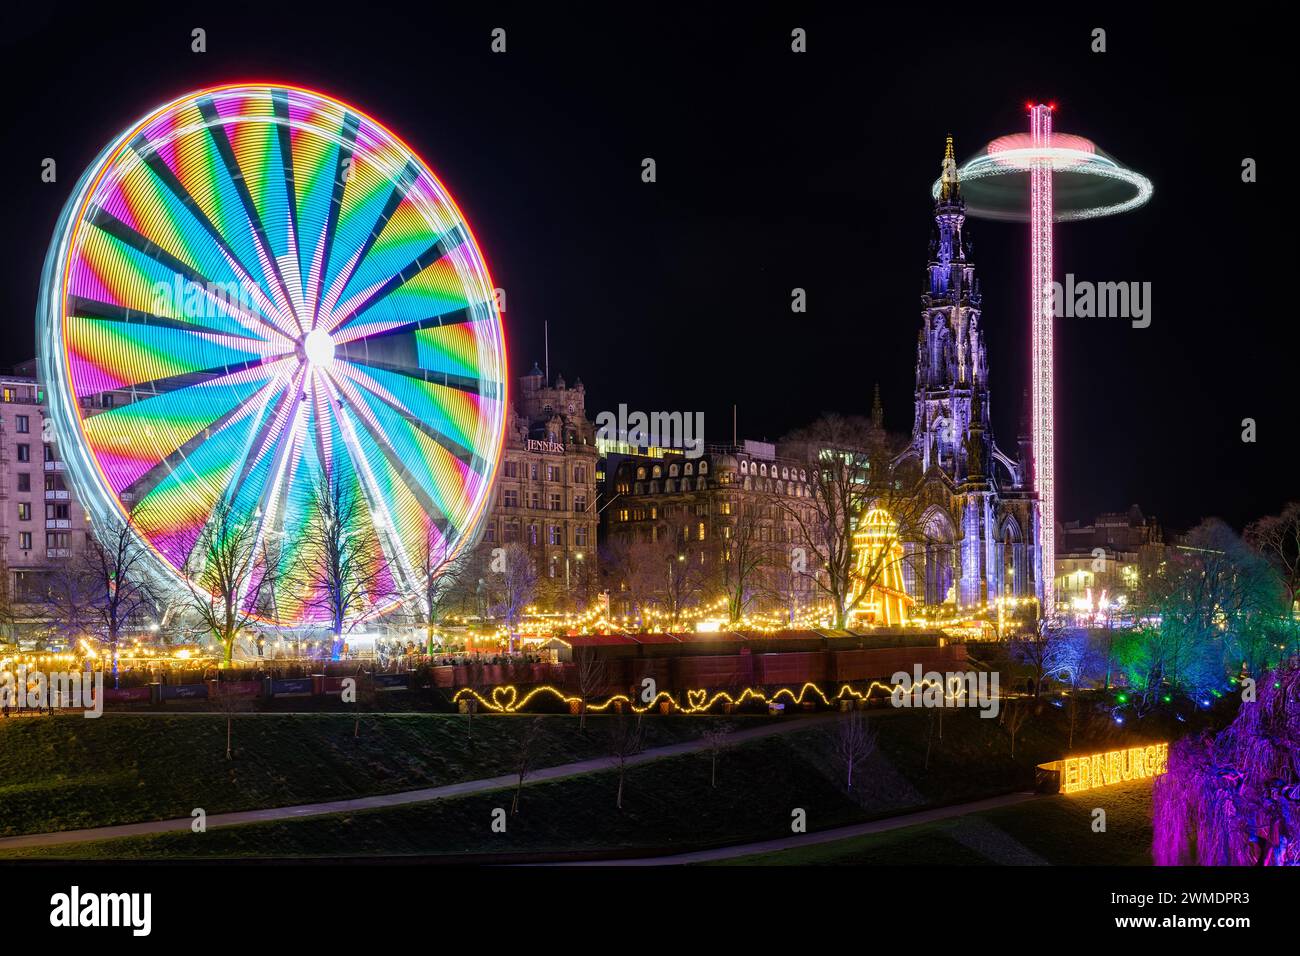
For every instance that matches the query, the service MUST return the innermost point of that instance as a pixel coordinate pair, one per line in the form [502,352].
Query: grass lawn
[668,805]
[66,772]
[1048,830]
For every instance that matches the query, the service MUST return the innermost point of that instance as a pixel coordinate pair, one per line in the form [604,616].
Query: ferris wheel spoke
[188,454]
[284,145]
[270,262]
[343,164]
[376,501]
[462,383]
[358,259]
[267,446]
[181,286]
[442,415]
[87,308]
[136,438]
[158,166]
[370,432]
[436,252]
[378,331]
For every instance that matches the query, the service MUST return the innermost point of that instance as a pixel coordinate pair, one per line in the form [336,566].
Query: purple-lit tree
[1234,798]
[1071,658]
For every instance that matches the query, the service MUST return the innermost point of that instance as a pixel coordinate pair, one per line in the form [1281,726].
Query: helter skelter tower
[1045,177]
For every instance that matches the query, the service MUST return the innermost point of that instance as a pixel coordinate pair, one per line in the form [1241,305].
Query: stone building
[725,514]
[1107,556]
[545,495]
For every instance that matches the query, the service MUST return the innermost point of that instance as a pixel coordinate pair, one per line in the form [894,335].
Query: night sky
[775,170]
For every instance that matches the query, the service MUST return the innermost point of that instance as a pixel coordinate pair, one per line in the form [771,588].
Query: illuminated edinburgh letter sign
[1115,766]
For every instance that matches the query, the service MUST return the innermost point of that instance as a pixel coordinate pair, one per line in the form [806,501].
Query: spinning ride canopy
[257,292]
[1086,182]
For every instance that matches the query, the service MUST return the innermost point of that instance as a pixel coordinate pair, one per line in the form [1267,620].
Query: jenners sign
[545,445]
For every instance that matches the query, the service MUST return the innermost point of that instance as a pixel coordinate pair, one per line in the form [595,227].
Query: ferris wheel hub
[318,347]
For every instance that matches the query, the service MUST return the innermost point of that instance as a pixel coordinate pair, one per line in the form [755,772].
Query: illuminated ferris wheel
[257,290]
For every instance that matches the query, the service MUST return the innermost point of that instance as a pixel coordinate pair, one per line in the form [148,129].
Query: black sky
[775,170]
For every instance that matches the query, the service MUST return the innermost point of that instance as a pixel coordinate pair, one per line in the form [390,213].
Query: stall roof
[713,637]
[600,640]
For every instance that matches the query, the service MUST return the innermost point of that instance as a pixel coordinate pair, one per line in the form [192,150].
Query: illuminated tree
[440,577]
[1213,604]
[1231,799]
[851,471]
[512,582]
[1071,659]
[342,565]
[222,577]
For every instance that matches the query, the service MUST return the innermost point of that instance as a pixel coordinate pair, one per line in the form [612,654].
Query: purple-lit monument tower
[1045,177]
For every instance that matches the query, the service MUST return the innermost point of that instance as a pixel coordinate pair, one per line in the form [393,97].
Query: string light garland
[506,698]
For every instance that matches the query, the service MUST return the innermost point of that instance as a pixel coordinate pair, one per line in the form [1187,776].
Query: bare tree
[1030,648]
[270,574]
[716,739]
[1277,538]
[471,708]
[513,584]
[854,742]
[65,597]
[681,552]
[229,703]
[591,671]
[744,559]
[626,738]
[1014,714]
[343,570]
[852,470]
[623,573]
[661,566]
[221,572]
[525,754]
[366,696]
[114,568]
[441,574]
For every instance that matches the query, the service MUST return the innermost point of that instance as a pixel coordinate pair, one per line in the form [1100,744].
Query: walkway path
[796,841]
[401,798]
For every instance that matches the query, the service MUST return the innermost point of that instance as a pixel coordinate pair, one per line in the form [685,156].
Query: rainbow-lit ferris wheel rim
[255,286]
[1086,182]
